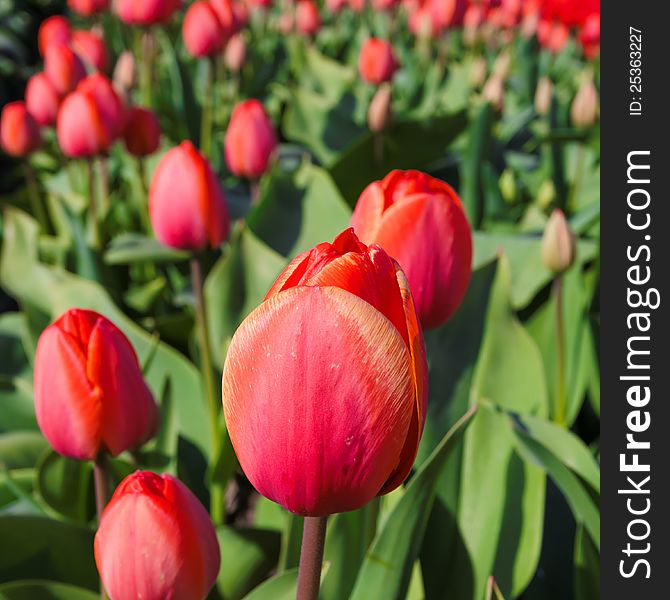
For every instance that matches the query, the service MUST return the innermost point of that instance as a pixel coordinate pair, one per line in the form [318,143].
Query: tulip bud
[346,310]
[584,109]
[546,194]
[552,35]
[589,37]
[307,19]
[19,132]
[478,72]
[42,100]
[250,140]
[186,202]
[472,21]
[88,8]
[225,11]
[494,93]
[335,6]
[146,12]
[90,395]
[379,113]
[142,132]
[202,30]
[156,541]
[125,75]
[543,95]
[502,65]
[63,68]
[236,52]
[53,31]
[111,108]
[285,23]
[507,185]
[377,62]
[559,244]
[419,220]
[91,48]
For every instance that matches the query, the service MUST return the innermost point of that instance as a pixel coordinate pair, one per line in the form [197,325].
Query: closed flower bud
[584,109]
[156,541]
[63,68]
[478,72]
[236,52]
[91,48]
[307,18]
[494,93]
[553,35]
[379,113]
[502,65]
[42,100]
[419,221]
[186,202]
[142,132]
[348,427]
[225,10]
[546,194]
[543,95]
[88,8]
[146,12]
[53,31]
[90,395]
[111,108]
[377,62]
[19,132]
[559,245]
[202,30]
[250,140]
[125,74]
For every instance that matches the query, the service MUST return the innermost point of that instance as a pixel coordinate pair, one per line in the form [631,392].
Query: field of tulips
[299,299]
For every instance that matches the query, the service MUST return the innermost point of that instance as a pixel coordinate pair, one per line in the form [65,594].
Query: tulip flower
[250,140]
[88,8]
[79,128]
[91,48]
[53,31]
[63,68]
[146,12]
[125,75]
[156,541]
[584,109]
[589,36]
[186,203]
[543,95]
[379,112]
[235,53]
[90,395]
[325,382]
[42,100]
[142,132]
[307,18]
[559,244]
[225,10]
[19,132]
[202,31]
[377,63]
[419,220]
[112,110]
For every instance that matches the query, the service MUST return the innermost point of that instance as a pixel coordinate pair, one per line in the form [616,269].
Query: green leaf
[21,449]
[279,587]
[387,568]
[129,248]
[587,567]
[44,590]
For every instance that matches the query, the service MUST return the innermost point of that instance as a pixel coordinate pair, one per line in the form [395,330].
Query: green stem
[103,167]
[94,225]
[561,399]
[34,197]
[579,173]
[206,118]
[146,66]
[371,518]
[144,202]
[311,558]
[102,493]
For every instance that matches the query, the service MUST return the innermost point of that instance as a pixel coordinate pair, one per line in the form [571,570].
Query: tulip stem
[561,399]
[101,479]
[94,228]
[147,65]
[34,197]
[206,118]
[144,201]
[103,167]
[311,558]
[254,191]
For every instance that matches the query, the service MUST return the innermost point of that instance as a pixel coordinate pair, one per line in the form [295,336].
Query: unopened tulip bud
[156,541]
[202,31]
[146,12]
[559,244]
[88,8]
[379,113]
[307,19]
[90,395]
[494,92]
[19,132]
[53,31]
[502,65]
[472,21]
[507,186]
[584,109]
[142,132]
[111,108]
[478,72]
[546,194]
[235,53]
[186,203]
[63,68]
[42,100]
[125,75]
[377,62]
[91,48]
[543,95]
[228,17]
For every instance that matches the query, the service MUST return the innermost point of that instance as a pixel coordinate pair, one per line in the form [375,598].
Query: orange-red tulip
[91,48]
[146,12]
[307,18]
[202,31]
[156,541]
[42,100]
[19,132]
[142,133]
[53,31]
[63,68]
[250,140]
[186,202]
[419,220]
[90,395]
[88,7]
[377,62]
[324,385]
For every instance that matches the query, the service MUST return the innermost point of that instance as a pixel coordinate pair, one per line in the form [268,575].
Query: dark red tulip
[142,132]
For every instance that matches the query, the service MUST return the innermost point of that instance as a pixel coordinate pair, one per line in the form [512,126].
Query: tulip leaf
[21,449]
[47,590]
[281,587]
[587,566]
[387,568]
[129,248]
[16,485]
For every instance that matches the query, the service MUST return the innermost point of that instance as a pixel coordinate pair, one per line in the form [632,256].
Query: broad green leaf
[15,485]
[129,248]
[280,587]
[21,449]
[587,567]
[44,590]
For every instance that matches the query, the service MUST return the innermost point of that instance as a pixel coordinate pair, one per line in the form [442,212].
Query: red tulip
[553,35]
[202,31]
[225,10]
[53,31]
[377,63]
[79,128]
[146,12]
[42,100]
[19,132]
[88,8]
[186,203]
[156,541]
[111,108]
[419,221]
[324,385]
[89,392]
[385,4]
[250,140]
[91,48]
[589,36]
[336,6]
[307,19]
[142,132]
[63,68]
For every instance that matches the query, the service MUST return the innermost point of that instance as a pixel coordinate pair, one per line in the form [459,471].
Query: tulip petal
[367,215]
[347,373]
